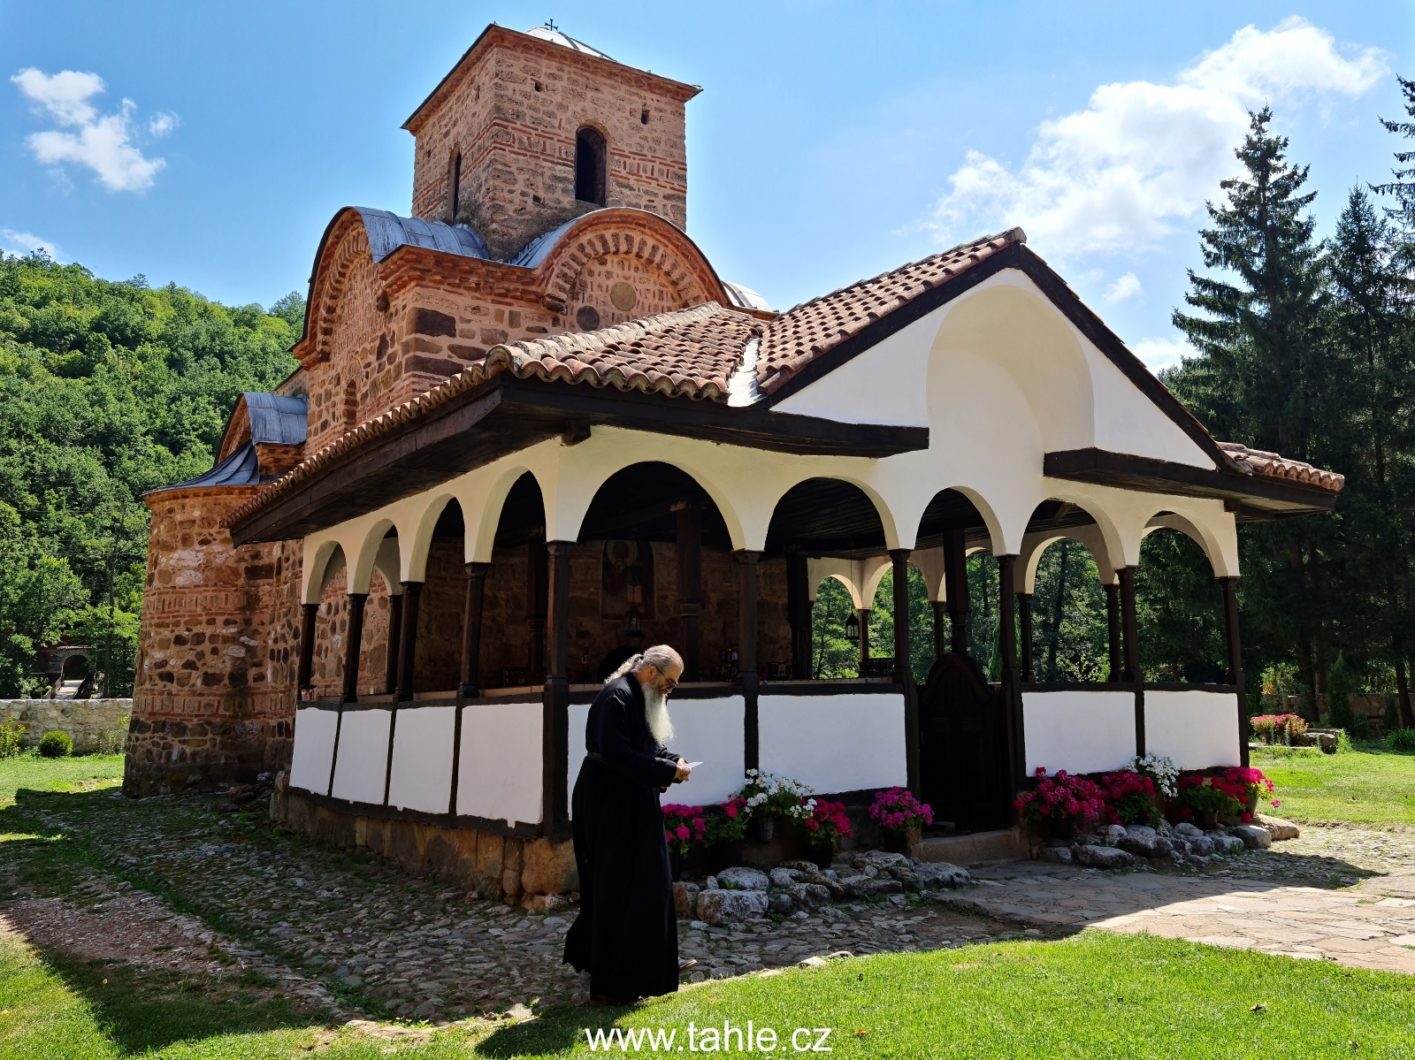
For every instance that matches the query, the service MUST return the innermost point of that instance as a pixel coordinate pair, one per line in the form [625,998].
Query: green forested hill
[106,390]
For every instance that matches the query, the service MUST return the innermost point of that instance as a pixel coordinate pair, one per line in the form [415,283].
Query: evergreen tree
[1403,186]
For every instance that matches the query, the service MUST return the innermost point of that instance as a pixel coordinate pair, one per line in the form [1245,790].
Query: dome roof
[556,37]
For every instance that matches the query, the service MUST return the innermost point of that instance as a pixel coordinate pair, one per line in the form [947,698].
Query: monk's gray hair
[660,656]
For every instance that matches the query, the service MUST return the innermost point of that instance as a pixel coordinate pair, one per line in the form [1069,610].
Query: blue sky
[209,144]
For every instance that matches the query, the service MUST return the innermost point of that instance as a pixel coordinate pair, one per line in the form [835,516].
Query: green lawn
[1367,785]
[34,773]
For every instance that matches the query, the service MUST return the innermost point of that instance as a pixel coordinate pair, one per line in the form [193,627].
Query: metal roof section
[239,469]
[552,34]
[744,297]
[276,420]
[387,232]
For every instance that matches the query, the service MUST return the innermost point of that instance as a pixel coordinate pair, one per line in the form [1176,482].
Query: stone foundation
[493,866]
[95,725]
[168,754]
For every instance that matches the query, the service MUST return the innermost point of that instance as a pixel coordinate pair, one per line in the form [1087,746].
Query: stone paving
[357,937]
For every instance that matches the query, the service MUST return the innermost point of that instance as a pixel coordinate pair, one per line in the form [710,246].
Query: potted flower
[726,829]
[685,831]
[769,797]
[1061,805]
[827,825]
[1130,797]
[901,818]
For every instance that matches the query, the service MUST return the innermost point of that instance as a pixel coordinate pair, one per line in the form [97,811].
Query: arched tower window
[454,199]
[590,151]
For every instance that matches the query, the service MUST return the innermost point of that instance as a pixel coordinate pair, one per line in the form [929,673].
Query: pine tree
[1403,186]
[1262,375]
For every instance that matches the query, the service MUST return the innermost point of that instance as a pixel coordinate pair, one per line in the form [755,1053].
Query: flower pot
[762,828]
[900,842]
[821,853]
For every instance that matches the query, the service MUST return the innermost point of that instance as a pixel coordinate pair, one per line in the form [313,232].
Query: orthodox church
[533,429]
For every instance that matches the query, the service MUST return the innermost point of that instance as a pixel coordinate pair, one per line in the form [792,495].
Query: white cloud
[1141,156]
[13,242]
[105,143]
[1162,353]
[1124,287]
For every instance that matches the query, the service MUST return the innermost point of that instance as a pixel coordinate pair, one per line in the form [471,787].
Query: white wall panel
[499,777]
[362,764]
[1197,729]
[314,749]
[422,759]
[834,743]
[1078,731]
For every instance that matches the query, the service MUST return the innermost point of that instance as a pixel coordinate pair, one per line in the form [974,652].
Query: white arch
[369,545]
[420,540]
[882,511]
[319,565]
[1035,546]
[1213,551]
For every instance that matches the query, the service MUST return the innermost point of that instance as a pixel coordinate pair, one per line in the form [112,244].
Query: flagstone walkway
[1252,904]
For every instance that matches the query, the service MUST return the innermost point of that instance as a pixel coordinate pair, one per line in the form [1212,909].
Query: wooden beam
[903,674]
[1007,636]
[1130,671]
[353,641]
[556,698]
[471,628]
[1024,614]
[408,640]
[1112,620]
[395,642]
[955,574]
[690,584]
[747,677]
[304,673]
[1234,643]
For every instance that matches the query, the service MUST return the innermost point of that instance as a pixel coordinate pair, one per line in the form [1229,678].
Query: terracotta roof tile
[1273,465]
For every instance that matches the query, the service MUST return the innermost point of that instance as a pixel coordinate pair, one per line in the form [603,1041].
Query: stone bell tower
[532,129]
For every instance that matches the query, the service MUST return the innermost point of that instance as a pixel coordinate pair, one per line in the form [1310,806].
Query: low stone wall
[93,724]
[495,867]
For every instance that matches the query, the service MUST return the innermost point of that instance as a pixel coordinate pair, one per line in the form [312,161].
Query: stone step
[973,848]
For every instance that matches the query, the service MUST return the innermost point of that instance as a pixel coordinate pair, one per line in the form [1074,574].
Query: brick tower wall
[514,118]
[213,697]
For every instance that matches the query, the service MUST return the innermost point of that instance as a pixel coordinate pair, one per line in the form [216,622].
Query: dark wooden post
[903,672]
[537,579]
[556,698]
[1024,615]
[408,640]
[864,616]
[747,655]
[1234,644]
[304,673]
[395,641]
[690,585]
[955,574]
[798,606]
[1011,696]
[471,628]
[939,641]
[1130,670]
[352,643]
[1112,621]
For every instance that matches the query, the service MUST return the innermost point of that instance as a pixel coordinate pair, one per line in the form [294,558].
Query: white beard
[656,714]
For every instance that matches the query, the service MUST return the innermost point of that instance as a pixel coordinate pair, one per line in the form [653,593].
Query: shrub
[56,744]
[1401,740]
[1130,797]
[897,810]
[729,823]
[1273,726]
[828,823]
[12,739]
[684,827]
[767,794]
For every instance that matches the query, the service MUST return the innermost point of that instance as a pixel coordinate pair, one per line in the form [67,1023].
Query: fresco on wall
[626,579]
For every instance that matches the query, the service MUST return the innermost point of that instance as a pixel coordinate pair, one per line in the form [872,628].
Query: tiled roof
[1273,465]
[793,339]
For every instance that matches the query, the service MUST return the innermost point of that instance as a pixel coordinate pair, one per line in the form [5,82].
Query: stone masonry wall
[95,725]
[514,120]
[213,695]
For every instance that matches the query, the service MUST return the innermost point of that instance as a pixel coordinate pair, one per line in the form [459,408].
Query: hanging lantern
[852,626]
[632,626]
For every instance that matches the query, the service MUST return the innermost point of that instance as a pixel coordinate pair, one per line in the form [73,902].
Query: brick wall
[514,117]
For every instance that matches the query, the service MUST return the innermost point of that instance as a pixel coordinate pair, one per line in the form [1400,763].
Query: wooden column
[1024,615]
[537,579]
[798,607]
[1112,620]
[395,641]
[863,614]
[408,640]
[471,628]
[955,574]
[556,699]
[747,667]
[903,673]
[1234,645]
[690,585]
[1130,667]
[1011,696]
[352,643]
[304,673]
[940,642]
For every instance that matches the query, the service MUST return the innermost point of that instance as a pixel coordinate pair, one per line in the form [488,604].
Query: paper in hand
[694,765]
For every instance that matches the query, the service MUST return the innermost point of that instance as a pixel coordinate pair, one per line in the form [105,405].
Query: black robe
[626,935]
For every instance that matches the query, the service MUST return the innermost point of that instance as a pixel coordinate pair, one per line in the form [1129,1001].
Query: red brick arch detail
[640,235]
[345,244]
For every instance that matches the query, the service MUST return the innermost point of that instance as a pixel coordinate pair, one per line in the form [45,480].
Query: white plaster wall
[834,743]
[1078,731]
[1129,422]
[362,764]
[710,731]
[1197,729]
[422,759]
[499,776]
[314,749]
